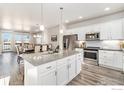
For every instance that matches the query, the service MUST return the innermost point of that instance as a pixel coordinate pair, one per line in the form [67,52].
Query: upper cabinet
[112,30]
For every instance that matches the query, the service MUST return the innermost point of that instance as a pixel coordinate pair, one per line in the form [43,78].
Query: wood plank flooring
[96,75]
[90,74]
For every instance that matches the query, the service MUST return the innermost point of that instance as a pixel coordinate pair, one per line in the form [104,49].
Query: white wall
[96,20]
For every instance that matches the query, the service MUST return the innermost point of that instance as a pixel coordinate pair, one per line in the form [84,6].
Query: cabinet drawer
[46,67]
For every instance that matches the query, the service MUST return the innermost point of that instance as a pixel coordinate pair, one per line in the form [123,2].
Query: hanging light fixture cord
[42,19]
[61,17]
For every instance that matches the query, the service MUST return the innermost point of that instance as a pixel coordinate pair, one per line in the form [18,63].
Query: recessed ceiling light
[80,17]
[107,9]
[66,21]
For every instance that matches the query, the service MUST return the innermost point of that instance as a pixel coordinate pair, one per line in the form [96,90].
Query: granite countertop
[111,49]
[37,59]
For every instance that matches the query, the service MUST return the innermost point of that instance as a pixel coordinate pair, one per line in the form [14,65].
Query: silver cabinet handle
[55,73]
[48,67]
[68,66]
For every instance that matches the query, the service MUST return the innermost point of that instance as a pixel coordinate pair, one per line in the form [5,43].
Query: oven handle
[90,51]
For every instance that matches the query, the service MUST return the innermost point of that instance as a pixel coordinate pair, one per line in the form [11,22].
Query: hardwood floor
[96,75]
[90,74]
[9,66]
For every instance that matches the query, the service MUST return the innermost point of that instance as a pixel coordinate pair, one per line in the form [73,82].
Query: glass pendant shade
[42,27]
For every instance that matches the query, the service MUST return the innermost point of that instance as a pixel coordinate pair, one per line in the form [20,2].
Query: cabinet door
[78,66]
[62,74]
[72,70]
[105,31]
[123,63]
[118,60]
[106,58]
[79,61]
[116,29]
[102,57]
[47,78]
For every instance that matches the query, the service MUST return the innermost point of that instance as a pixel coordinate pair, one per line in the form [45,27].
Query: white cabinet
[59,72]
[47,74]
[47,78]
[79,62]
[62,72]
[112,59]
[118,59]
[71,66]
[68,68]
[116,28]
[105,31]
[123,63]
[40,75]
[112,30]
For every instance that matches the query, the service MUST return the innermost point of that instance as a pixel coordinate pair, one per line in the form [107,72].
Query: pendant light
[42,19]
[61,18]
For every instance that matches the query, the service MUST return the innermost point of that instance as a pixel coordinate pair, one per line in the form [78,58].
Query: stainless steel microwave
[92,36]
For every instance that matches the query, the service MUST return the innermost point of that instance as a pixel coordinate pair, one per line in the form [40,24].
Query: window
[18,38]
[7,37]
[26,38]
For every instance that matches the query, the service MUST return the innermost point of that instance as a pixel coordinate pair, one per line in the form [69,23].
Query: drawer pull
[48,67]
[55,73]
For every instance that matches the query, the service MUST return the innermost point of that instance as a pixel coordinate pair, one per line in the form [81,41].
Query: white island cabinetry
[62,71]
[57,72]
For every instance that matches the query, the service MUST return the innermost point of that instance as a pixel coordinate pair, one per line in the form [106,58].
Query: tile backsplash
[111,44]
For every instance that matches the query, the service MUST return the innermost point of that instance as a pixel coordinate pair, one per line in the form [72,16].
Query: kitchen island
[51,69]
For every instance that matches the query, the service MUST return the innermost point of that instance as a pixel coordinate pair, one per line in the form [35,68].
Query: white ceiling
[26,16]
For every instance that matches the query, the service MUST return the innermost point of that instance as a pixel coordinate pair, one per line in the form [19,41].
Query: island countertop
[37,59]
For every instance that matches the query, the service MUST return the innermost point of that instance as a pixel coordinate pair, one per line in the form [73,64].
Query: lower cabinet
[112,59]
[62,74]
[72,68]
[47,78]
[66,70]
[123,64]
[79,62]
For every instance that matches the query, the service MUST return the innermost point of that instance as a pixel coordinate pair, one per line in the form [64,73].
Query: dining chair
[19,52]
[37,49]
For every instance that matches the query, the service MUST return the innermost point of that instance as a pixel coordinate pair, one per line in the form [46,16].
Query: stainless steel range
[92,53]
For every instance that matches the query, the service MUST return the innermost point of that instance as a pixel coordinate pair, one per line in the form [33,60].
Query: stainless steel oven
[91,54]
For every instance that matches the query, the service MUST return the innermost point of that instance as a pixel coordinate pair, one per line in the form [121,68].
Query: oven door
[91,55]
